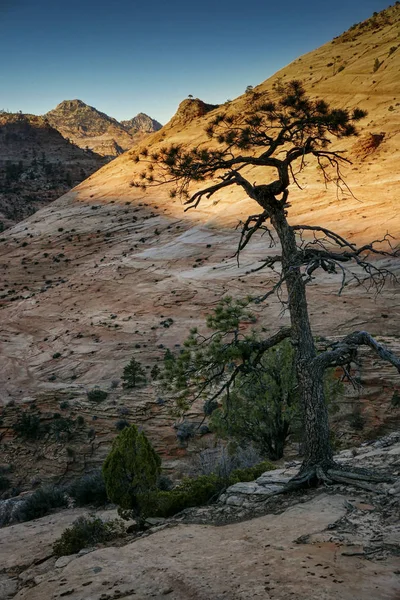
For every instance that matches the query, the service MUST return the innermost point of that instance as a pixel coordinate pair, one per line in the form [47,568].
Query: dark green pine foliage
[131,471]
[263,406]
[134,374]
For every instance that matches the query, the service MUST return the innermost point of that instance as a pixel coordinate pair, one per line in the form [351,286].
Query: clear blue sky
[124,56]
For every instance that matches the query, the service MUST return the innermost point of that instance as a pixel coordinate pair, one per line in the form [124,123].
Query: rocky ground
[337,543]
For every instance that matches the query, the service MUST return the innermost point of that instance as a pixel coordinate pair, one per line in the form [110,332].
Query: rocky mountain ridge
[141,123]
[87,127]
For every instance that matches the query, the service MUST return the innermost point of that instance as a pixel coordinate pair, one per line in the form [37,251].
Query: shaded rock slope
[37,165]
[108,271]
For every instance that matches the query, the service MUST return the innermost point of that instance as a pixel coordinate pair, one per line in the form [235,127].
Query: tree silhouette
[279,136]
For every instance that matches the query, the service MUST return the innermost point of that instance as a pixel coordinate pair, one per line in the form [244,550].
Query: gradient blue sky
[124,57]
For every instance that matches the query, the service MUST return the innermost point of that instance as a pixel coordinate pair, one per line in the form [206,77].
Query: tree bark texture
[318,451]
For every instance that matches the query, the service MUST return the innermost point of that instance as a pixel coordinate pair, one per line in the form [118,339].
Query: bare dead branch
[247,232]
[345,351]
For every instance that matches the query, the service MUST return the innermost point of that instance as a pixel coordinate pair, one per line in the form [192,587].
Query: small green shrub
[164,483]
[185,431]
[357,419]
[376,66]
[97,395]
[250,473]
[41,503]
[340,69]
[121,424]
[155,372]
[61,427]
[5,483]
[57,355]
[209,407]
[28,426]
[85,532]
[395,400]
[197,491]
[190,492]
[89,489]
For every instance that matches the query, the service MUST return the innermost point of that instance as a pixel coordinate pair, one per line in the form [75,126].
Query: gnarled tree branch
[345,351]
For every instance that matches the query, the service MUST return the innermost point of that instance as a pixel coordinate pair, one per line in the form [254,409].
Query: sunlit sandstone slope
[95,275]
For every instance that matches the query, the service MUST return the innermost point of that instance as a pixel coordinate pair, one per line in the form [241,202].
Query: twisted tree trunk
[318,451]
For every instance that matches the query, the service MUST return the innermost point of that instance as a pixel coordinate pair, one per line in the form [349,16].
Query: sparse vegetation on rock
[29,177]
[29,426]
[197,491]
[97,395]
[133,481]
[41,503]
[89,489]
[377,65]
[86,532]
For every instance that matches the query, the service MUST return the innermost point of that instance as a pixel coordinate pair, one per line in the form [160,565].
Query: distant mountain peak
[141,123]
[88,127]
[72,103]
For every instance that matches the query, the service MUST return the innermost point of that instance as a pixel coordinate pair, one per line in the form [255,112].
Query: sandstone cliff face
[95,275]
[189,110]
[37,165]
[89,128]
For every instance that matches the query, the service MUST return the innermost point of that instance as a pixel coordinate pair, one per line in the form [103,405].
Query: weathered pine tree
[280,136]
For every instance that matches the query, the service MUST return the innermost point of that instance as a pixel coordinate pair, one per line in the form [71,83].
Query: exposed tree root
[334,473]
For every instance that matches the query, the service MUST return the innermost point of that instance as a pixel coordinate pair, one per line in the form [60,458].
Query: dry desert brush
[86,532]
[280,136]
